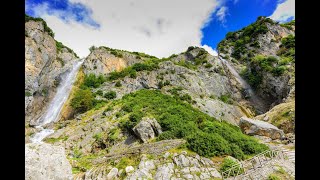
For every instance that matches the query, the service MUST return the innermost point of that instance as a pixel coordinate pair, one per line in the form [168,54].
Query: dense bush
[82,101]
[110,95]
[93,81]
[204,134]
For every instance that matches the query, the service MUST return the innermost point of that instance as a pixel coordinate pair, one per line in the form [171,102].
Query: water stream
[55,106]
[253,98]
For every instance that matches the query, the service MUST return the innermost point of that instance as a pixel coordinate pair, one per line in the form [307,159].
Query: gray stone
[129,169]
[45,161]
[257,127]
[147,129]
[112,174]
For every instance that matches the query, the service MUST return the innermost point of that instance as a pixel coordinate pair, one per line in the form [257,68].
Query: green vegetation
[60,46]
[204,134]
[82,100]
[27,93]
[245,36]
[110,95]
[288,25]
[226,98]
[93,81]
[273,177]
[208,65]
[228,163]
[260,64]
[45,26]
[118,84]
[287,47]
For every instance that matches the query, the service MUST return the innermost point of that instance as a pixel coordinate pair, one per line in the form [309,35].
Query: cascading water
[54,109]
[255,100]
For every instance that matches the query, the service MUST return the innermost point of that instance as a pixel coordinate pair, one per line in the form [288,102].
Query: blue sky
[157,27]
[239,14]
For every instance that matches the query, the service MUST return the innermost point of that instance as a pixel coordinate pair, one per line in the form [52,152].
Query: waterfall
[55,106]
[253,98]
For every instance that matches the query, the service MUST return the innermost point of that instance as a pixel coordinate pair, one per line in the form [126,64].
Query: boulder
[112,174]
[129,169]
[147,129]
[45,161]
[257,127]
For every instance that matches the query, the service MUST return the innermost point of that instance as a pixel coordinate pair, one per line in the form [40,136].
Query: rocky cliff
[46,61]
[263,53]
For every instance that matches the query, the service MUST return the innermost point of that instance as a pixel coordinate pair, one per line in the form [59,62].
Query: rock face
[45,65]
[257,127]
[45,161]
[273,89]
[147,128]
[103,61]
[205,85]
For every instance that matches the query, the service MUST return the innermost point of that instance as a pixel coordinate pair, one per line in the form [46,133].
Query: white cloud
[222,13]
[210,50]
[284,11]
[156,27]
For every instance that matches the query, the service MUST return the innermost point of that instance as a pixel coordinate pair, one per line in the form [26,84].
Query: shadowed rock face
[44,66]
[45,161]
[257,127]
[273,89]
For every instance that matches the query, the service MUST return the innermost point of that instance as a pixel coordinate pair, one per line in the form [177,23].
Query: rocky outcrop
[282,116]
[45,64]
[257,127]
[147,128]
[45,161]
[104,60]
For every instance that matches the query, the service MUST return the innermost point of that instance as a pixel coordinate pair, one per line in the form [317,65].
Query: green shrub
[204,134]
[110,95]
[226,98]
[208,65]
[118,84]
[27,93]
[229,163]
[82,100]
[273,177]
[99,92]
[288,42]
[93,81]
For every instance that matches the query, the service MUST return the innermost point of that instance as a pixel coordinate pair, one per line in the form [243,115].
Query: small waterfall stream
[55,106]
[253,98]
